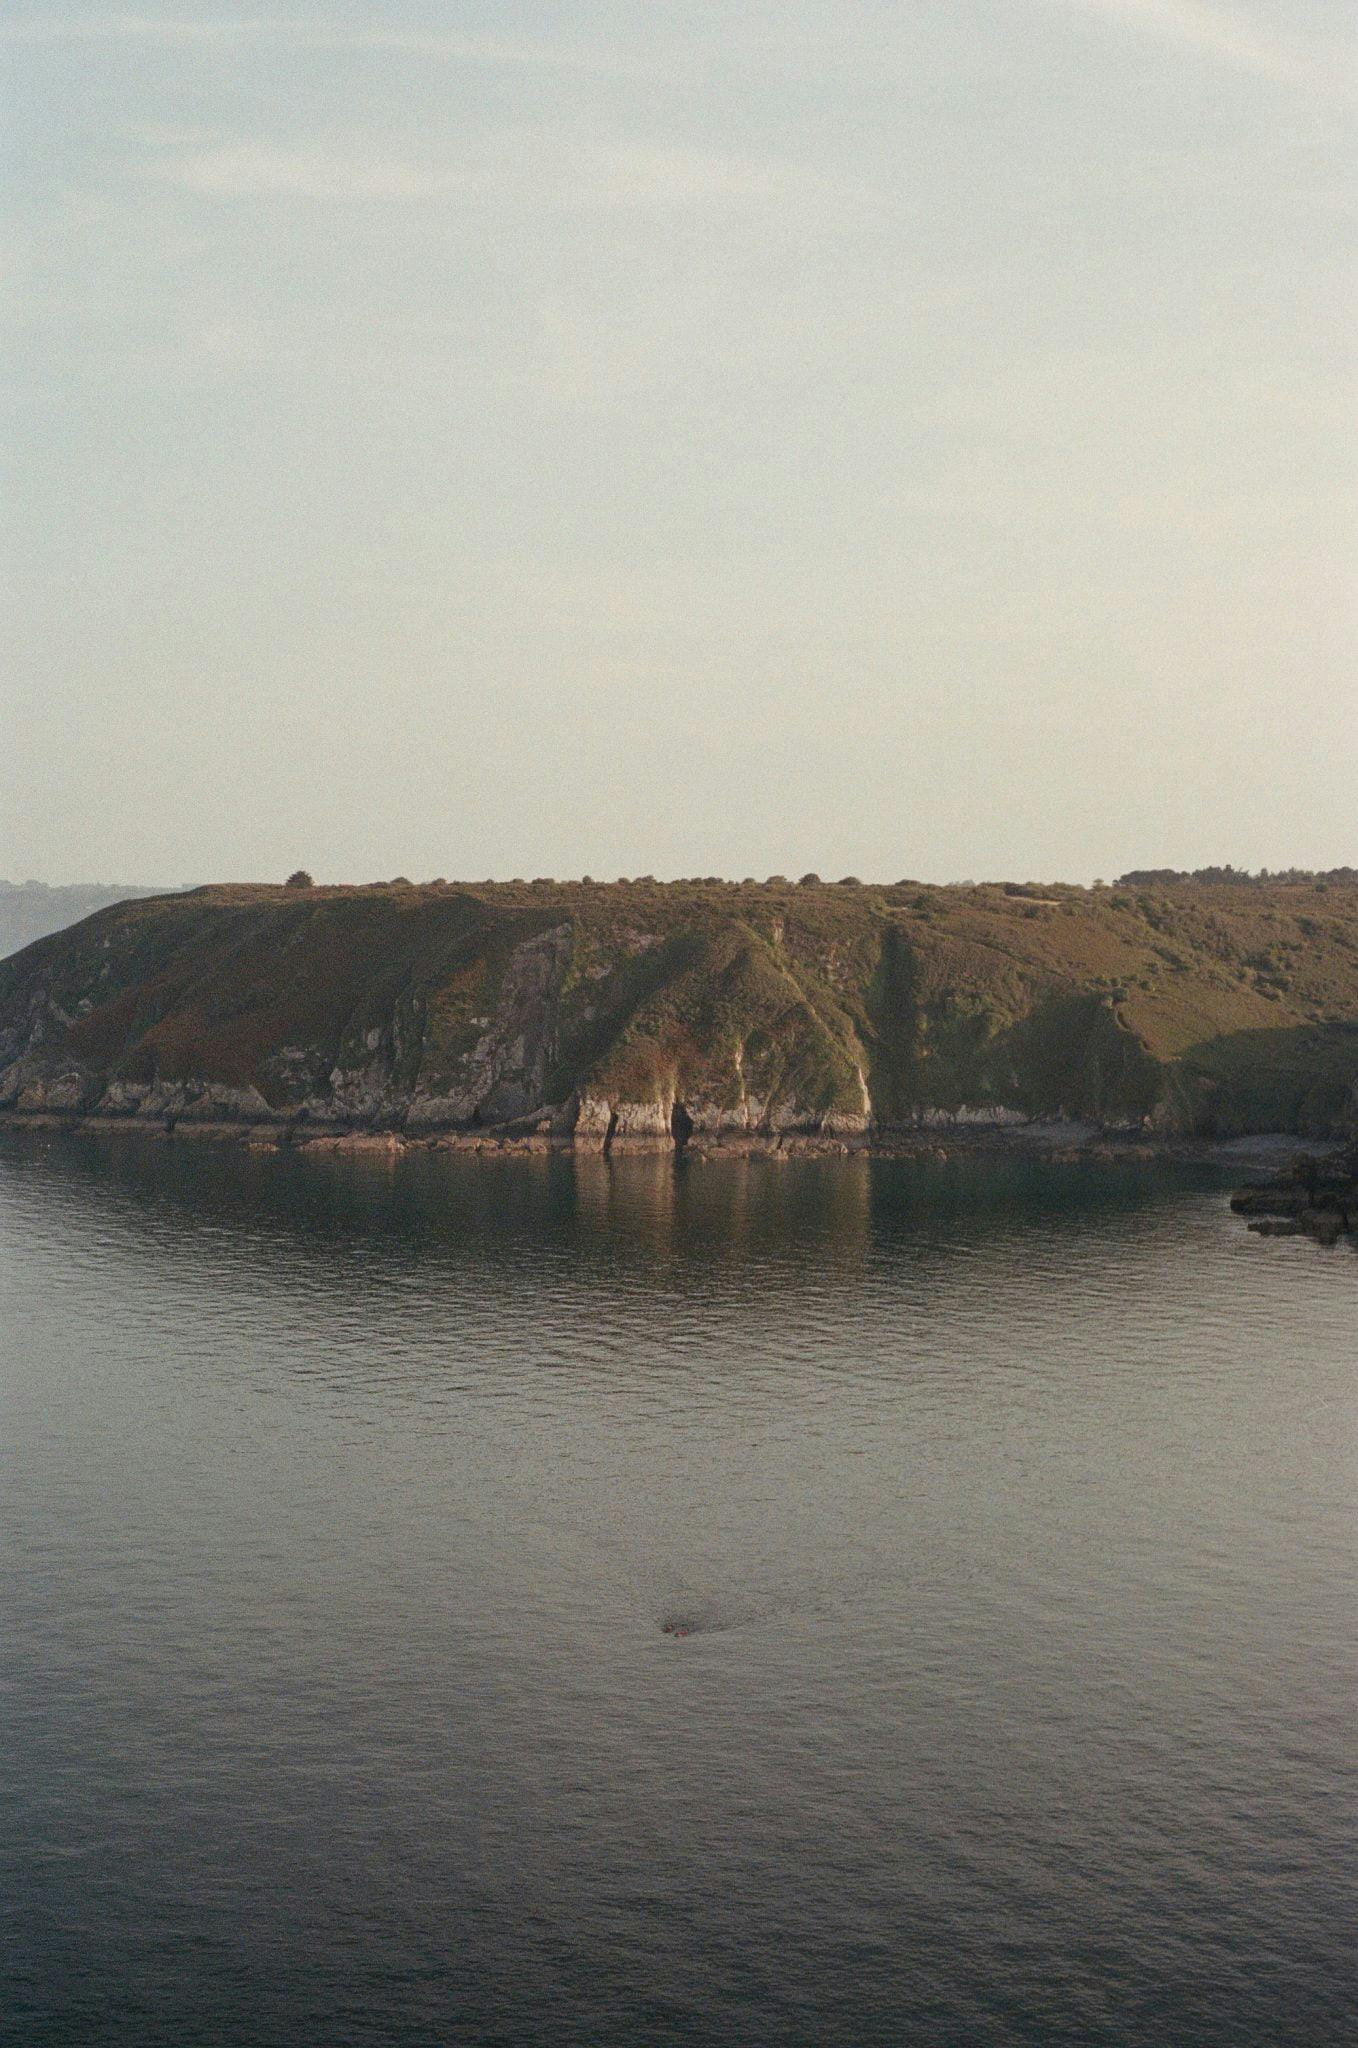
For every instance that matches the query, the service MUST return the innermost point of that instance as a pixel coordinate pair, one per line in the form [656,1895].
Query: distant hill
[633,1010]
[30,910]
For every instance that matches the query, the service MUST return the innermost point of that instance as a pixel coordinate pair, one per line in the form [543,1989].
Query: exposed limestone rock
[60,1093]
[505,1073]
[642,1120]
[642,1016]
[593,1124]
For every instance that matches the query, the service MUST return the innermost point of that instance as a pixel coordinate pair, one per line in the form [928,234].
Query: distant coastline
[31,910]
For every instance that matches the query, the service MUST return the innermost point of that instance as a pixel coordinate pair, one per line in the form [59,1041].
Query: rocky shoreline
[1061,1140]
[1312,1197]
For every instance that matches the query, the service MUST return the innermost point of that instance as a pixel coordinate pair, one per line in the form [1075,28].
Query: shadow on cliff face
[1301,1078]
[681,1126]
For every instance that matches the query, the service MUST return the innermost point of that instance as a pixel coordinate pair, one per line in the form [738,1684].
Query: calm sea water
[1009,1508]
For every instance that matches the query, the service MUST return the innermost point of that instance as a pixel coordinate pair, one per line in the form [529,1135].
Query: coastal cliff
[648,1014]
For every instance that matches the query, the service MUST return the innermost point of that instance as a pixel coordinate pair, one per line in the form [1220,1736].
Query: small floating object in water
[676,1628]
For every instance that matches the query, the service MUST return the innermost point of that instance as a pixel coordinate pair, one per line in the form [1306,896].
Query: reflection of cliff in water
[756,1229]
[644,1217]
[703,1215]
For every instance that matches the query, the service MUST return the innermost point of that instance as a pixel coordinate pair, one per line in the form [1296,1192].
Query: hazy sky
[900,439]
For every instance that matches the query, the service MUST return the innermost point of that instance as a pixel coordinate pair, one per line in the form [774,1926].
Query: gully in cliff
[658,1016]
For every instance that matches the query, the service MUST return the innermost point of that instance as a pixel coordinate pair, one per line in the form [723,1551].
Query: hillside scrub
[775,1007]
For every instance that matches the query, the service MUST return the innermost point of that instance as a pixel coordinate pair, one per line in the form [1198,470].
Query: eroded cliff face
[650,1016]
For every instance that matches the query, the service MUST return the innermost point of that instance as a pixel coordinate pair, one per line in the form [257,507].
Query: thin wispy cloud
[255,171]
[285,33]
[1228,37]
[514,168]
[100,28]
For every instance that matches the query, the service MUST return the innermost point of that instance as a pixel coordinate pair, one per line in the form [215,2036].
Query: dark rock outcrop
[1312,1197]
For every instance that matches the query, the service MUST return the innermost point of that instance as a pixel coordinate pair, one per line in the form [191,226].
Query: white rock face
[845,1124]
[123,1098]
[220,1104]
[506,1072]
[593,1118]
[643,1120]
[965,1115]
[59,1094]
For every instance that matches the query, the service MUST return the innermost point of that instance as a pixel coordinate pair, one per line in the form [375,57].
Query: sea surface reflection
[558,1601]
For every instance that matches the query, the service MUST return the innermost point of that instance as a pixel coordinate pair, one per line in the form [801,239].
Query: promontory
[767,1013]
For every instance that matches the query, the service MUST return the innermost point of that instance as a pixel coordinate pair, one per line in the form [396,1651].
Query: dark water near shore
[1009,1506]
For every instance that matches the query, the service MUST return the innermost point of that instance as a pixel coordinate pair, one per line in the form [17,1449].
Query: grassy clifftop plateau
[631,1010]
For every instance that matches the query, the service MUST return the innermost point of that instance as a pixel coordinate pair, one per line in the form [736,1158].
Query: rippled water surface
[526,1601]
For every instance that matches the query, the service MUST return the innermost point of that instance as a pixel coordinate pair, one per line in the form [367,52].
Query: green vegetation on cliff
[1194,1007]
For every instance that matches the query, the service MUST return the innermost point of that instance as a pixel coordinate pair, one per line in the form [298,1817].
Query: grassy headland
[628,1009]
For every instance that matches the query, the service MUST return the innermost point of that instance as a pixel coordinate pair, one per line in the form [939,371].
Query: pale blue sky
[617,438]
